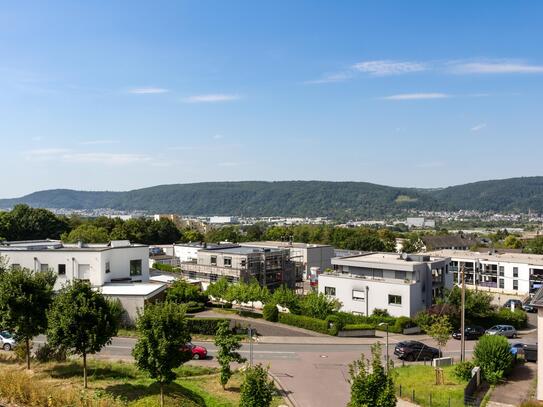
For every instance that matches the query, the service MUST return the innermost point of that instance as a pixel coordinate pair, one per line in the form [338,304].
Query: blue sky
[118,95]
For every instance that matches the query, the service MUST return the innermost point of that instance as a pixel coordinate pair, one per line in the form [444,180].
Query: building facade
[270,267]
[401,284]
[508,273]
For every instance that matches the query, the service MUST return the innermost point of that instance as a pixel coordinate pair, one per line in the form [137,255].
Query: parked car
[470,332]
[505,330]
[528,307]
[197,352]
[517,304]
[415,350]
[7,340]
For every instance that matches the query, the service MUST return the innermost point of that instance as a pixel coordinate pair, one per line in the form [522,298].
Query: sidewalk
[518,387]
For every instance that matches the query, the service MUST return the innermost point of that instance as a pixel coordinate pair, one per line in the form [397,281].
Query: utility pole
[250,332]
[463,316]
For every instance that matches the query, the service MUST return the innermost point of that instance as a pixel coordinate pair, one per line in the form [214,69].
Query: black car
[517,304]
[471,332]
[414,350]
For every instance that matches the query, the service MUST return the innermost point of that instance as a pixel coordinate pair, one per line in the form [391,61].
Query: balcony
[352,276]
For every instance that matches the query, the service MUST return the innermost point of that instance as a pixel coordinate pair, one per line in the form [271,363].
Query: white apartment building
[508,273]
[119,269]
[401,284]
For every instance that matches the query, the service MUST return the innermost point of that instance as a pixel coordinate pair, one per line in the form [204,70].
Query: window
[62,269]
[227,262]
[214,260]
[359,295]
[399,275]
[213,278]
[330,291]
[378,273]
[243,262]
[501,271]
[394,299]
[515,284]
[515,272]
[501,283]
[44,267]
[135,267]
[108,269]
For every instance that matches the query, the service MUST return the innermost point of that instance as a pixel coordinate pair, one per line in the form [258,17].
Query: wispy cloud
[44,153]
[331,78]
[148,91]
[98,142]
[211,98]
[70,156]
[478,127]
[495,67]
[389,67]
[417,96]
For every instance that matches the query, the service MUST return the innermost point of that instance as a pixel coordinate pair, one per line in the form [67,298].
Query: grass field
[422,379]
[113,384]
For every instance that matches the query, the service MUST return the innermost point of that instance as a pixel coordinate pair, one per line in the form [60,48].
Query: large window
[44,267]
[330,291]
[515,272]
[359,295]
[515,284]
[214,260]
[394,299]
[227,262]
[399,275]
[501,283]
[62,269]
[501,268]
[135,267]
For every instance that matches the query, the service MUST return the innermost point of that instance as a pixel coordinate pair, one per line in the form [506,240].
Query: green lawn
[422,379]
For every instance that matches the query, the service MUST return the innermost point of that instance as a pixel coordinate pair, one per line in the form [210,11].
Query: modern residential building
[400,283]
[500,272]
[271,267]
[304,255]
[119,269]
[187,251]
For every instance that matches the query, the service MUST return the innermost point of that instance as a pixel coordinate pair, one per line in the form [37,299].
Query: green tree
[181,291]
[493,354]
[370,385]
[257,388]
[440,330]
[478,303]
[26,223]
[25,297]
[192,235]
[287,298]
[219,289]
[86,233]
[318,305]
[163,332]
[81,320]
[512,242]
[227,345]
[534,245]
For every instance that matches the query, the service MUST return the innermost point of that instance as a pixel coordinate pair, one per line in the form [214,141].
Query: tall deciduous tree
[25,297]
[163,332]
[227,345]
[82,321]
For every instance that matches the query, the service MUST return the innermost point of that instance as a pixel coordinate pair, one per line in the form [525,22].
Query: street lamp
[386,324]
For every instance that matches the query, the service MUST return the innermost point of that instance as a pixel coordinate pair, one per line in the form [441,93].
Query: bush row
[204,326]
[356,327]
[300,321]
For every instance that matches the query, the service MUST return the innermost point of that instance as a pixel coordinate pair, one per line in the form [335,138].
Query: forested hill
[299,198]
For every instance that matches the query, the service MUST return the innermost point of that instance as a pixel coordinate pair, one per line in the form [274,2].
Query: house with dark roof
[448,242]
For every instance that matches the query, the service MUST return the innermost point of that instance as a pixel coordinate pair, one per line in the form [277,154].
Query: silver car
[7,340]
[504,330]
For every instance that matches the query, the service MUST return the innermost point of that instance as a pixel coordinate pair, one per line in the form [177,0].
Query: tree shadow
[132,392]
[75,369]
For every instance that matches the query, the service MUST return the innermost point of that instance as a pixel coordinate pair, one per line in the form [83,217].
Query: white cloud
[417,96]
[388,67]
[495,67]
[45,153]
[211,98]
[105,158]
[148,91]
[97,142]
[331,78]
[478,127]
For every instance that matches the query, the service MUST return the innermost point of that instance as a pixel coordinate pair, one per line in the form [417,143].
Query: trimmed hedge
[356,327]
[300,321]
[270,312]
[204,326]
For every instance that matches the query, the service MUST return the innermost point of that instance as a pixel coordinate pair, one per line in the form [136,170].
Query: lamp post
[386,324]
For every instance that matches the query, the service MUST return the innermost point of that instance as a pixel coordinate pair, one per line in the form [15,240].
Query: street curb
[286,395]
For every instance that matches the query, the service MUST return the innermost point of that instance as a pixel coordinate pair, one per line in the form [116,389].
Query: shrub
[517,318]
[493,355]
[402,323]
[356,327]
[182,292]
[423,319]
[462,370]
[335,324]
[48,353]
[194,307]
[257,389]
[270,312]
[204,326]
[301,321]
[318,305]
[378,312]
[19,350]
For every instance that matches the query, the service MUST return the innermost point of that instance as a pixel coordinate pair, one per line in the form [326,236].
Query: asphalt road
[314,375]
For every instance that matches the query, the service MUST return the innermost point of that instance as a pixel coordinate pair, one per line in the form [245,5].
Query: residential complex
[271,267]
[119,269]
[509,273]
[401,284]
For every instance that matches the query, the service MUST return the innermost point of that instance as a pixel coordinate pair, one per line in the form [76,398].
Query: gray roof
[447,241]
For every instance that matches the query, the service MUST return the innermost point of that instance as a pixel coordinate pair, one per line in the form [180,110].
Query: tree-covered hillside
[299,198]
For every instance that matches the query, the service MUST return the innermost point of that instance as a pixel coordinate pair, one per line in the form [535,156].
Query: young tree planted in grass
[227,345]
[257,389]
[25,297]
[163,332]
[440,330]
[370,385]
[82,321]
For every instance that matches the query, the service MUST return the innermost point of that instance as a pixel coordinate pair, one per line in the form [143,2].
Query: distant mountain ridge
[299,198]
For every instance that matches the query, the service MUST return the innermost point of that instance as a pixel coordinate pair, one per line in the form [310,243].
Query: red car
[198,352]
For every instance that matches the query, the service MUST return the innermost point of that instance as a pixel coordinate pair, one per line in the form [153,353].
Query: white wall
[186,253]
